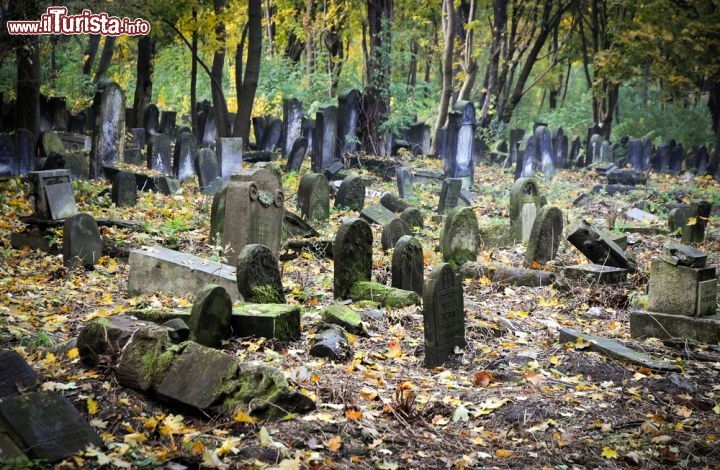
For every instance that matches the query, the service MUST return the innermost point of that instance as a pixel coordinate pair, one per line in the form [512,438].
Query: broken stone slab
[181,329]
[343,316]
[394,203]
[16,375]
[386,296]
[274,321]
[641,216]
[154,269]
[295,226]
[209,321]
[615,350]
[377,214]
[595,274]
[669,327]
[145,359]
[598,248]
[620,239]
[683,255]
[507,275]
[46,426]
[330,343]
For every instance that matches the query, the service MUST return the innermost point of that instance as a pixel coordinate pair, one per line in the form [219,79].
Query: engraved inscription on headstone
[443,315]
[707,297]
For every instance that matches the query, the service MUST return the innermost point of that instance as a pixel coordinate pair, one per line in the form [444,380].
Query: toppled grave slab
[507,275]
[275,321]
[595,274]
[615,350]
[386,296]
[158,269]
[341,315]
[598,248]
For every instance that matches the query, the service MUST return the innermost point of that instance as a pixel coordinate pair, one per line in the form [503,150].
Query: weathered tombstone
[377,214]
[47,426]
[8,157]
[210,316]
[82,243]
[404,182]
[598,247]
[702,158]
[51,194]
[545,236]
[449,194]
[676,159]
[313,197]
[698,216]
[186,150]
[392,232]
[606,155]
[407,264]
[594,147]
[647,153]
[271,137]
[208,172]
[413,216]
[167,122]
[258,276]
[16,375]
[109,128]
[158,154]
[516,136]
[151,119]
[325,138]
[394,203]
[124,189]
[443,315]
[333,170]
[348,115]
[678,219]
[635,153]
[528,165]
[442,146]
[574,155]
[210,134]
[229,152]
[352,255]
[308,132]
[459,236]
[561,146]
[24,151]
[351,193]
[249,209]
[525,201]
[50,142]
[292,125]
[297,154]
[544,151]
[259,124]
[661,159]
[419,138]
[460,142]
[58,113]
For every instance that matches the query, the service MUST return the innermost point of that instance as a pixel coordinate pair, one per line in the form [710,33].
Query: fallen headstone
[377,214]
[329,343]
[343,316]
[273,321]
[384,295]
[595,274]
[16,375]
[598,248]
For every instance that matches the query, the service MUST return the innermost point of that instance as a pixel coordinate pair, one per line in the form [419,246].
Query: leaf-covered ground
[515,397]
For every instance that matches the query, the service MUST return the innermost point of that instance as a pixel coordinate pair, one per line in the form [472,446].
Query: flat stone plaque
[707,297]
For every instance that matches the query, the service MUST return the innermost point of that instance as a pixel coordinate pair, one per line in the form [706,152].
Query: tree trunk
[268,28]
[376,98]
[105,58]
[248,83]
[713,104]
[218,97]
[447,73]
[193,80]
[90,53]
[143,83]
[307,29]
[490,84]
[469,64]
[53,61]
[27,90]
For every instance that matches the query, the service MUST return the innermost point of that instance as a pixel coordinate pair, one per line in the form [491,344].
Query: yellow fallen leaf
[609,453]
[683,411]
[691,221]
[92,406]
[334,443]
[368,393]
[134,438]
[355,415]
[242,417]
[73,353]
[503,453]
[394,349]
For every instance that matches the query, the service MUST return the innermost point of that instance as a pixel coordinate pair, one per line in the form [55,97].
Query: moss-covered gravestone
[313,198]
[525,201]
[272,321]
[382,294]
[341,315]
[413,217]
[545,236]
[459,236]
[258,276]
[210,317]
[351,193]
[82,244]
[352,254]
[443,315]
[407,265]
[392,231]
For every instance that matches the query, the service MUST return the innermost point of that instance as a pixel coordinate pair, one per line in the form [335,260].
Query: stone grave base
[645,324]
[597,273]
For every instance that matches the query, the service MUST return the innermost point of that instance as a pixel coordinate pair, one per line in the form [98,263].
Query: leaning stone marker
[413,217]
[377,214]
[208,172]
[210,316]
[82,243]
[459,236]
[109,127]
[443,315]
[313,197]
[525,201]
[297,154]
[351,193]
[124,189]
[449,194]
[51,194]
[597,247]
[258,276]
[407,265]
[47,426]
[545,236]
[15,375]
[392,231]
[352,254]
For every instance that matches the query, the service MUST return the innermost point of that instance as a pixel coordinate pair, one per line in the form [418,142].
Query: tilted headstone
[407,264]
[574,154]
[292,125]
[377,214]
[404,182]
[258,276]
[525,201]
[109,129]
[229,152]
[449,194]
[210,316]
[544,151]
[606,155]
[185,153]
[351,193]
[459,236]
[460,142]
[124,189]
[297,154]
[561,146]
[392,232]
[158,154]
[249,209]
[529,151]
[352,255]
[16,375]
[698,216]
[151,120]
[271,137]
[325,138]
[443,315]
[208,171]
[598,247]
[394,203]
[348,115]
[47,426]
[50,142]
[413,216]
[516,137]
[419,138]
[167,122]
[308,132]
[51,194]
[82,243]
[545,236]
[313,197]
